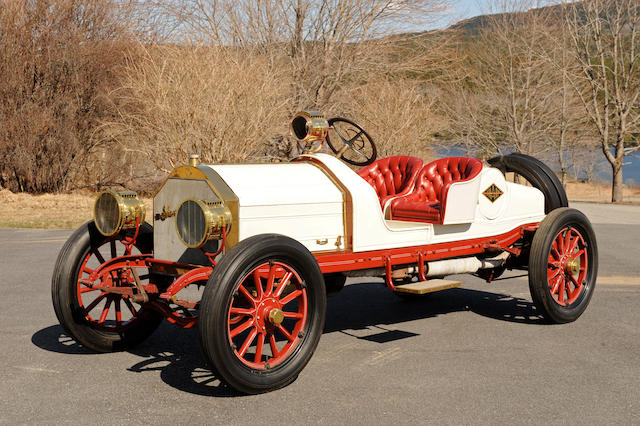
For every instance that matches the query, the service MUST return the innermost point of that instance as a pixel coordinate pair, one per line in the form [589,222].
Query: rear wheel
[563,265]
[262,313]
[100,321]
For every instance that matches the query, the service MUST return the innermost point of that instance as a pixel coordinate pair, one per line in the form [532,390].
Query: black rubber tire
[216,299]
[65,300]
[541,245]
[333,283]
[538,174]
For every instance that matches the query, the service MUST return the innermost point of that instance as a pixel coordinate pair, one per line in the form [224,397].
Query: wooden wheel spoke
[87,289]
[274,346]
[555,274]
[283,284]
[94,303]
[574,281]
[554,287]
[259,346]
[290,297]
[130,306]
[559,243]
[246,294]
[271,278]
[118,311]
[242,327]
[112,244]
[573,244]
[292,315]
[561,291]
[250,338]
[257,282]
[242,311]
[98,255]
[567,240]
[285,333]
[105,310]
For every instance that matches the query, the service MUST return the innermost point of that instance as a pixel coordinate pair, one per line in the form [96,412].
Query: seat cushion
[416,211]
[392,176]
[430,191]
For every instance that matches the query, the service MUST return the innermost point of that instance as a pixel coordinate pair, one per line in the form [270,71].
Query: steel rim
[101,310]
[267,315]
[567,266]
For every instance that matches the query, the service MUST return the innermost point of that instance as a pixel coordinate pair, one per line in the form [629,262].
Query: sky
[464,9]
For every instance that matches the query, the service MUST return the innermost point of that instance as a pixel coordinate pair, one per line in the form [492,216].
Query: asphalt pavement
[474,354]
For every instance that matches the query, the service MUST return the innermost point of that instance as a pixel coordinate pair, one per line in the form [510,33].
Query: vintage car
[268,242]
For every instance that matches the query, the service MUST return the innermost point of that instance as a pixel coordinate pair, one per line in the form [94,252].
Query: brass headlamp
[117,210]
[310,128]
[199,221]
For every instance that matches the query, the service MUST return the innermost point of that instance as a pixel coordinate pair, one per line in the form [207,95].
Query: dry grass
[600,192]
[48,211]
[68,211]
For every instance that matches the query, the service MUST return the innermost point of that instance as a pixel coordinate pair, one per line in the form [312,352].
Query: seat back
[437,174]
[392,175]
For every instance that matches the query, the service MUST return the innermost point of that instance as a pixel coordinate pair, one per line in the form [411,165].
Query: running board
[423,287]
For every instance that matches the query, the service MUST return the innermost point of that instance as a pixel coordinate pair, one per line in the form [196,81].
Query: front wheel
[563,265]
[100,321]
[262,313]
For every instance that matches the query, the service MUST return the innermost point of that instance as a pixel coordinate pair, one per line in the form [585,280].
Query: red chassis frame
[329,262]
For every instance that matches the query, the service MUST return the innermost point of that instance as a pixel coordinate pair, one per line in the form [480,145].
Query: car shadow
[359,306]
[174,353]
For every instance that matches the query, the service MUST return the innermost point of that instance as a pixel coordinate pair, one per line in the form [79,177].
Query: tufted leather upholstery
[392,176]
[427,200]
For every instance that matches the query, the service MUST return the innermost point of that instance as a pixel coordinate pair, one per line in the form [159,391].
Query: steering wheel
[352,144]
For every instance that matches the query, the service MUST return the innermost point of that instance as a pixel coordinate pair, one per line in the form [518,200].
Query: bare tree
[604,36]
[571,133]
[326,43]
[505,99]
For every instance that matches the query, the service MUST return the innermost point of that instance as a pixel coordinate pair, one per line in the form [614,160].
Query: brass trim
[130,209]
[219,187]
[347,200]
[217,217]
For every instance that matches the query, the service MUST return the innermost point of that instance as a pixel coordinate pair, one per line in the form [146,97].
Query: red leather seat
[427,201]
[392,176]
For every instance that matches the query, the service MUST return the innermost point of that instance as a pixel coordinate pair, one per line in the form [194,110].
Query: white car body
[322,203]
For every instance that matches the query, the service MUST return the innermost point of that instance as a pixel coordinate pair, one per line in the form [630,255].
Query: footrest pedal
[423,287]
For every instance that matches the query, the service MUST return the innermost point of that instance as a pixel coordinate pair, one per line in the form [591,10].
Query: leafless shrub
[56,58]
[221,103]
[399,114]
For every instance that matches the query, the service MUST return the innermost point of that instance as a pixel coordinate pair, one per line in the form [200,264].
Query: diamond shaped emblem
[492,192]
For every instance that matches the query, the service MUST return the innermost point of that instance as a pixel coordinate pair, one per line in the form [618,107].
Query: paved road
[475,354]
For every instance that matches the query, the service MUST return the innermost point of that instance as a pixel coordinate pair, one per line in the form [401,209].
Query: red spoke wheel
[563,265]
[100,321]
[262,313]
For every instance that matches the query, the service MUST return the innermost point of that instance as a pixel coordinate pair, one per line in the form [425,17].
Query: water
[600,169]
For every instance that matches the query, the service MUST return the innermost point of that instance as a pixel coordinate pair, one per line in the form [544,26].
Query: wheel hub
[269,313]
[573,266]
[276,316]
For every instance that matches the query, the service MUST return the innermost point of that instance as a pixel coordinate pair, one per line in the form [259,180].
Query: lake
[601,167]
